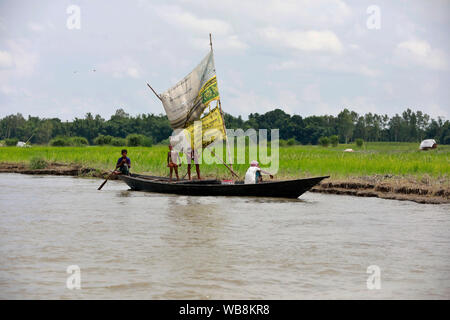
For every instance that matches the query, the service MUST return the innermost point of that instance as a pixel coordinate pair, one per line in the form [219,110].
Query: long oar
[104,182]
[223,162]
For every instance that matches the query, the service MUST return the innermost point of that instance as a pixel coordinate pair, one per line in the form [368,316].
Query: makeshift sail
[200,134]
[209,129]
[185,102]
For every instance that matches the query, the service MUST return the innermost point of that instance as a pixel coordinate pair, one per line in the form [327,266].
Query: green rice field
[399,159]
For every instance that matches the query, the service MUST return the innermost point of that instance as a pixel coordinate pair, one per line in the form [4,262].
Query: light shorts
[192,156]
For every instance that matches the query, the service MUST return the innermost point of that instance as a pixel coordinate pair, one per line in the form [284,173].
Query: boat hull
[278,189]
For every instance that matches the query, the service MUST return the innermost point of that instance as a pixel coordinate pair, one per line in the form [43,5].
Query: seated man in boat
[123,164]
[253,174]
[192,155]
[173,161]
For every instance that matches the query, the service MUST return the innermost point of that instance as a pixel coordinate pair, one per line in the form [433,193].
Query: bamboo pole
[231,169]
[223,120]
[154,91]
[226,138]
[30,138]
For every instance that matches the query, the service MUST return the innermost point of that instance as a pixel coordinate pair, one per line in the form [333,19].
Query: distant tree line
[348,126]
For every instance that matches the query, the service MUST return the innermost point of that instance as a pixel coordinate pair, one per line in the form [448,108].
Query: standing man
[191,154]
[173,161]
[123,164]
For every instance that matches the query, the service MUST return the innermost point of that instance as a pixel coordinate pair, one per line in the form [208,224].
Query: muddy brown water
[154,246]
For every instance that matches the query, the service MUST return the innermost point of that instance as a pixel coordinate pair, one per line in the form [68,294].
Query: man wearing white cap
[253,174]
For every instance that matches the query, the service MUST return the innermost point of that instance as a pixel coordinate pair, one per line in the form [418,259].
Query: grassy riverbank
[385,170]
[397,159]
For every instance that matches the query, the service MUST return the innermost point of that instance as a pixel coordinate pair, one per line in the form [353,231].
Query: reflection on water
[124,193]
[153,246]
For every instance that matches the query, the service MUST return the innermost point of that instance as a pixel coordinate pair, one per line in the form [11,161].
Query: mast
[178,118]
[224,128]
[210,42]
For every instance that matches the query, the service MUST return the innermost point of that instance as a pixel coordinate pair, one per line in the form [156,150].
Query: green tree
[359,142]
[334,140]
[324,141]
[345,124]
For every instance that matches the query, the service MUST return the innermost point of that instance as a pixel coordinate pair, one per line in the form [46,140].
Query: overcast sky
[306,57]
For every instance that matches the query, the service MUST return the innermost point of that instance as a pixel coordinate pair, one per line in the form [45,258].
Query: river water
[152,246]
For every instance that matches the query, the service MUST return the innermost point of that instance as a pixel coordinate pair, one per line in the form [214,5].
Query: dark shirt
[128,161]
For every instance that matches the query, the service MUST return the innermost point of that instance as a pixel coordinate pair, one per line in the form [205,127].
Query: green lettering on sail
[209,91]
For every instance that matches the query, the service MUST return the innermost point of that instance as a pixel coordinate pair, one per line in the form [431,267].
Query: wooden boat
[279,189]
[185,103]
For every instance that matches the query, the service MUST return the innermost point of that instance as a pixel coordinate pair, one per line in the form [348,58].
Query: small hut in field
[428,144]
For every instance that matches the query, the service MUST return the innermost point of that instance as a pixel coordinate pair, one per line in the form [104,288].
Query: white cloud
[7,90]
[418,48]
[311,93]
[366,71]
[241,101]
[6,60]
[335,66]
[228,43]
[13,91]
[231,42]
[430,87]
[437,110]
[311,14]
[40,27]
[360,104]
[36,27]
[19,60]
[311,40]
[185,20]
[121,68]
[133,72]
[287,100]
[311,101]
[322,48]
[198,28]
[286,65]
[388,88]
[420,52]
[25,59]
[245,102]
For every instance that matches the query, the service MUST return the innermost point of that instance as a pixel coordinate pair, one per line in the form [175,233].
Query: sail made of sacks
[185,102]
